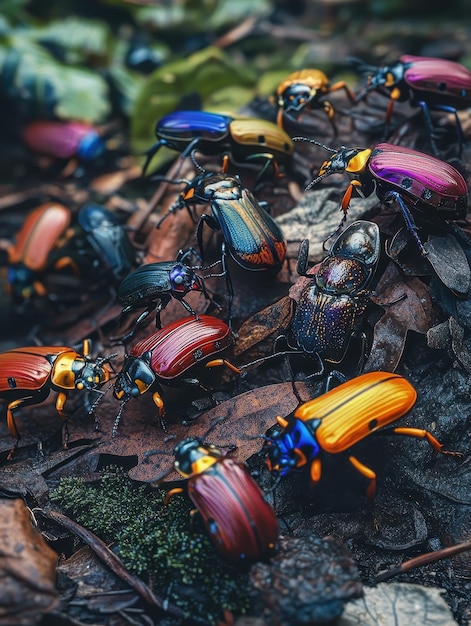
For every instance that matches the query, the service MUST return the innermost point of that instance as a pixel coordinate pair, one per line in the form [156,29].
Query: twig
[114,563]
[424,559]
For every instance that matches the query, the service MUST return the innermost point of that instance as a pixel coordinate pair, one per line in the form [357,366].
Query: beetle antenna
[364,92]
[314,182]
[114,432]
[171,181]
[317,143]
[99,398]
[149,453]
[195,162]
[155,482]
[361,66]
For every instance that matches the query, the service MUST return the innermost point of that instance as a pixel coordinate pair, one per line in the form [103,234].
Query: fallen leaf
[398,604]
[408,307]
[27,568]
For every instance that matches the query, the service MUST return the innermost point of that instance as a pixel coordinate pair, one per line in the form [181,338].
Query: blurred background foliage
[136,60]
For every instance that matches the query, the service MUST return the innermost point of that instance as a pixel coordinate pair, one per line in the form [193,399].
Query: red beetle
[166,355]
[239,521]
[28,374]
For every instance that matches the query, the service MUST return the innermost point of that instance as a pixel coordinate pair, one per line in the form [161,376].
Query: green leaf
[44,87]
[79,39]
[205,73]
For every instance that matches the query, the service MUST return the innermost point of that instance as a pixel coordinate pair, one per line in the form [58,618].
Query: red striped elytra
[168,354]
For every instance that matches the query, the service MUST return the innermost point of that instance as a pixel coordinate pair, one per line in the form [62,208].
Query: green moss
[160,543]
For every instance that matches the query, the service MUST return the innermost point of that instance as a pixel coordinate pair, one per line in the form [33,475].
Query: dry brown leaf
[27,568]
[408,306]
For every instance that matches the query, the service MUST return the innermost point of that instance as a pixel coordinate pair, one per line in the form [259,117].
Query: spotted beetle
[27,375]
[167,356]
[416,181]
[331,305]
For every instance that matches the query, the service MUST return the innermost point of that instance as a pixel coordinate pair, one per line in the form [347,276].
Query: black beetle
[153,285]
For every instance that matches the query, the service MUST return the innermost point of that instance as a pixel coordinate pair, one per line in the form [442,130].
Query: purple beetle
[427,82]
[416,181]
[332,303]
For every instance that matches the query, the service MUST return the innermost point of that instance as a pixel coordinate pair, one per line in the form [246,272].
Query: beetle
[426,82]
[42,233]
[27,375]
[64,140]
[112,253]
[305,89]
[253,238]
[166,357]
[246,139]
[418,182]
[335,421]
[91,249]
[153,285]
[336,297]
[239,521]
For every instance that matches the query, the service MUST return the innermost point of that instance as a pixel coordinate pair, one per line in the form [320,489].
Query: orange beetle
[43,231]
[305,89]
[335,421]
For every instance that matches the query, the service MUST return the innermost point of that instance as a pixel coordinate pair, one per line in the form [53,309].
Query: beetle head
[192,457]
[291,447]
[387,76]
[91,374]
[135,378]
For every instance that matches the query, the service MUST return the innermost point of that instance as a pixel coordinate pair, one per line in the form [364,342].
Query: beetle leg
[343,85]
[171,493]
[60,402]
[316,470]
[187,307]
[393,96]
[13,430]
[211,222]
[39,288]
[330,112]
[368,473]
[429,126]
[424,434]
[459,128]
[347,196]
[229,286]
[409,220]
[86,347]
[225,163]
[69,263]
[219,362]
[159,403]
